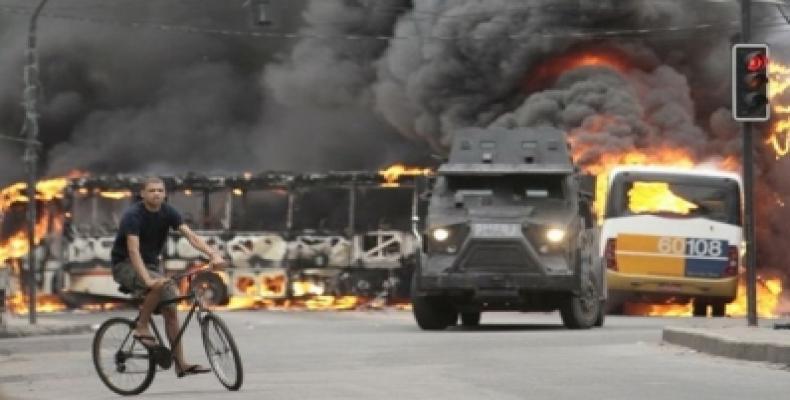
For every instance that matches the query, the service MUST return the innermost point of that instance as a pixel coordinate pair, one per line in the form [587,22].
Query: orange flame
[116,195]
[307,303]
[768,294]
[17,245]
[548,71]
[656,197]
[392,174]
[18,304]
[46,190]
[779,77]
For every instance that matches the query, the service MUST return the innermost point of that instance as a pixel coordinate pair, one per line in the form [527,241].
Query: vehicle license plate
[496,230]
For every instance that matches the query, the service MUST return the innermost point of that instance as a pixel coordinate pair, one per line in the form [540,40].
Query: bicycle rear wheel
[123,364]
[223,355]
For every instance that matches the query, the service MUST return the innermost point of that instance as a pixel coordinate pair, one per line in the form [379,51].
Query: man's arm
[214,256]
[133,247]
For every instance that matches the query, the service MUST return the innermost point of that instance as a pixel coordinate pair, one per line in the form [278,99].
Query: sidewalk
[762,343]
[19,326]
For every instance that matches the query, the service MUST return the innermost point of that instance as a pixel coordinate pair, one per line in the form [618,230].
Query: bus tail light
[610,255]
[732,261]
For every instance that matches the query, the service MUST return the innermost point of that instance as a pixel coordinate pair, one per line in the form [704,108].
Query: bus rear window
[715,199]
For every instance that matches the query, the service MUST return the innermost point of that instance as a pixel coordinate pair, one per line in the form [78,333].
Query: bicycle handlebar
[207,267]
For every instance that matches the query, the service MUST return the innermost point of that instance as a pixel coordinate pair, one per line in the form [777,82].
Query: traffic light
[750,82]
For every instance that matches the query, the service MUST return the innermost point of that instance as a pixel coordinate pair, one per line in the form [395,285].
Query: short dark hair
[151,179]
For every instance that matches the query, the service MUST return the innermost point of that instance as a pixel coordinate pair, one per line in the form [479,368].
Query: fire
[769,291]
[331,302]
[18,304]
[656,197]
[662,156]
[768,294]
[394,172]
[306,303]
[779,77]
[15,247]
[103,306]
[46,190]
[548,71]
[116,195]
[667,156]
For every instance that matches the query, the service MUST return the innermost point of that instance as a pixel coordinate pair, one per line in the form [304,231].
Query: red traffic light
[750,82]
[756,61]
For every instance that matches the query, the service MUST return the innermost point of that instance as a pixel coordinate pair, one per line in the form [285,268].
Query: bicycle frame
[197,308]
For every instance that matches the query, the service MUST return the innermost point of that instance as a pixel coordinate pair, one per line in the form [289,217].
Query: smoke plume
[122,99]
[370,82]
[664,78]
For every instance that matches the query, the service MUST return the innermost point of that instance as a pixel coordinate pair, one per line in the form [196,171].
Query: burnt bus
[285,235]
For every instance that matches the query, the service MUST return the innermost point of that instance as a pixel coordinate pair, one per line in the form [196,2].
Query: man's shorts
[126,276]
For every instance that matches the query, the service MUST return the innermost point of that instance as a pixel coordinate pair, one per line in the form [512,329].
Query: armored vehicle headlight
[440,234]
[555,235]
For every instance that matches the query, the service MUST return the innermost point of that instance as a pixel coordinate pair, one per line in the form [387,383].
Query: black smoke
[458,63]
[373,81]
[119,98]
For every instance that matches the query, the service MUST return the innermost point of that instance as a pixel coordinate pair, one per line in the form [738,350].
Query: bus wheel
[470,318]
[718,308]
[700,308]
[210,288]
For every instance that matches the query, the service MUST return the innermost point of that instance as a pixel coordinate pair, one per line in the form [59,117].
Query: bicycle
[118,357]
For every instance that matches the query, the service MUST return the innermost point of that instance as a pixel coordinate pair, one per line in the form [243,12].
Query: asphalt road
[382,355]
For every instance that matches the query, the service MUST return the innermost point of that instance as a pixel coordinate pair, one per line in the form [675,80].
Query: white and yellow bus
[672,236]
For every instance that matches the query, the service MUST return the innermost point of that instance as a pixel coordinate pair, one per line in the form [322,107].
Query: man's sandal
[193,370]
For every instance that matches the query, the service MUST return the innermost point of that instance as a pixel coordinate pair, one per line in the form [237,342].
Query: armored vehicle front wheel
[433,313]
[470,318]
[581,311]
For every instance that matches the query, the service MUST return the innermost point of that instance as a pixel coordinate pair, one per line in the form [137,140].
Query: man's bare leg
[147,308]
[171,327]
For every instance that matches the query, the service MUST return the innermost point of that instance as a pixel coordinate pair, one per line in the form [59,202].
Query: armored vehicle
[508,228]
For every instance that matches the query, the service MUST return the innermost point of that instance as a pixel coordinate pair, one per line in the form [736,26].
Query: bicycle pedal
[162,356]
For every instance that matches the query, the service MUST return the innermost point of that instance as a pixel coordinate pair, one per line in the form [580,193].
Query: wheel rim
[122,361]
[220,353]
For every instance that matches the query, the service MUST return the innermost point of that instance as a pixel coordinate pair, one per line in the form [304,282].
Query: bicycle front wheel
[223,355]
[123,364]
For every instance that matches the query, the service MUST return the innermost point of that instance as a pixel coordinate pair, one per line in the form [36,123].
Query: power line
[308,35]
[13,138]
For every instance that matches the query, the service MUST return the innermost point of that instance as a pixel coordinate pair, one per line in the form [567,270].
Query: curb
[726,346]
[38,330]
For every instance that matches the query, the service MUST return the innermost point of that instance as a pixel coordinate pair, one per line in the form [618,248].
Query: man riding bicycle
[135,254]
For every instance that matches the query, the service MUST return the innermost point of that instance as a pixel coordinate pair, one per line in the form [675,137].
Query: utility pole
[748,187]
[32,89]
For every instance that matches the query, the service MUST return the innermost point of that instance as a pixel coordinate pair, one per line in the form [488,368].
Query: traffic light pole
[749,223]
[32,90]
[748,189]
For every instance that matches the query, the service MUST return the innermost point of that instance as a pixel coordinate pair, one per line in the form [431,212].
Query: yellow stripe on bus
[647,260]
[640,243]
[650,264]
